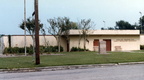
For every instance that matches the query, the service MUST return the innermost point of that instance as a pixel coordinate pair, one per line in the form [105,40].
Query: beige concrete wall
[74,42]
[18,41]
[142,39]
[5,41]
[125,42]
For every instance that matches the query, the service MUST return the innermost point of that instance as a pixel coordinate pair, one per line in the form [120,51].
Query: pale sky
[110,11]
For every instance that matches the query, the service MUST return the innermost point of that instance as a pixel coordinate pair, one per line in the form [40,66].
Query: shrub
[53,49]
[30,50]
[43,49]
[142,47]
[22,50]
[74,49]
[78,49]
[5,50]
[17,50]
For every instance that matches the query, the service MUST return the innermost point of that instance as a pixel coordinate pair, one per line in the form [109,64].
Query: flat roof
[106,32]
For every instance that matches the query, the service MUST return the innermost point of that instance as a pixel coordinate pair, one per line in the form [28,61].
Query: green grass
[72,58]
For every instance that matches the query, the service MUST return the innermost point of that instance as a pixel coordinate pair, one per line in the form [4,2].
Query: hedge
[43,49]
[78,49]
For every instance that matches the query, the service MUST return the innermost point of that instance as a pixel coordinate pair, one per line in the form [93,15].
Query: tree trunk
[84,43]
[59,43]
[79,42]
[68,48]
[33,45]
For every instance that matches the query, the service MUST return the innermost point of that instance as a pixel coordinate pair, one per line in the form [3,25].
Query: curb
[55,68]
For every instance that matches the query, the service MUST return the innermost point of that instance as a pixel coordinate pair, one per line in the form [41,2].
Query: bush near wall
[78,49]
[49,49]
[142,47]
[43,49]
[17,50]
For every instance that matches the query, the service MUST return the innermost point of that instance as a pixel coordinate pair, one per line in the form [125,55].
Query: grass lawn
[72,58]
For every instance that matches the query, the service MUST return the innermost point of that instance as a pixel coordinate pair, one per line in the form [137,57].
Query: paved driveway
[120,72]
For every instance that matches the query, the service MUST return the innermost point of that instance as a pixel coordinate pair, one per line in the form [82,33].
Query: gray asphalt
[119,72]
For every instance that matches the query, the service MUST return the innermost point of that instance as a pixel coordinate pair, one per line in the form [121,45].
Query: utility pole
[25,27]
[37,56]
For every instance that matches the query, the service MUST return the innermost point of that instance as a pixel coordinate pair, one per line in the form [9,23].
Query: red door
[96,45]
[96,42]
[108,44]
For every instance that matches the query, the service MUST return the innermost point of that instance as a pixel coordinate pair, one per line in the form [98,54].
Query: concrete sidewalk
[1,55]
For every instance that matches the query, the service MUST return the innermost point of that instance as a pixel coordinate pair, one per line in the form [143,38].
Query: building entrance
[96,44]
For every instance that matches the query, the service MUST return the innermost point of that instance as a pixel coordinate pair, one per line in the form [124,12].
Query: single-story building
[116,40]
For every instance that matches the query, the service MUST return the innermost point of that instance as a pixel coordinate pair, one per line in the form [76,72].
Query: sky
[110,11]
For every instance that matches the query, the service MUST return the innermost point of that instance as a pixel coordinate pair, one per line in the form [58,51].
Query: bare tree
[55,29]
[60,27]
[68,25]
[85,26]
